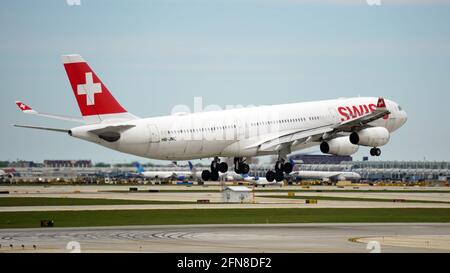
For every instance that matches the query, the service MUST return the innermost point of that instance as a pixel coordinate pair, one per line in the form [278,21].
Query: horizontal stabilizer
[28,110]
[42,128]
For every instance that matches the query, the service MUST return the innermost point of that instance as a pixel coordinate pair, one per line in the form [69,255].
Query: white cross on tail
[89,89]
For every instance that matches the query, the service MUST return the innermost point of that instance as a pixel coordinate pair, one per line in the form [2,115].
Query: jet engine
[372,137]
[338,146]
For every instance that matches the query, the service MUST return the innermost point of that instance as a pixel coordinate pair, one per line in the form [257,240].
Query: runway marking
[226,238]
[438,242]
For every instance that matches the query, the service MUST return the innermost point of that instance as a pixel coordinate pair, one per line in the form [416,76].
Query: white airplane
[261,181]
[326,175]
[178,175]
[231,176]
[339,126]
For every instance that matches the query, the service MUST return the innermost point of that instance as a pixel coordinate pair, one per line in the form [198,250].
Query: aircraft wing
[321,133]
[303,136]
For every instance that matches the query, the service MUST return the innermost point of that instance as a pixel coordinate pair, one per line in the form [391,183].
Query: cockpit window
[400,108]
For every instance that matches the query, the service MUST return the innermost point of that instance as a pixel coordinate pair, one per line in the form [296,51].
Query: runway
[411,237]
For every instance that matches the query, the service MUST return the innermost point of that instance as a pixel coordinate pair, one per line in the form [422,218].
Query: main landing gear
[216,167]
[281,167]
[375,152]
[240,167]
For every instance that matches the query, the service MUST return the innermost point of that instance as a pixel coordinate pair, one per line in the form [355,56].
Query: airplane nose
[404,117]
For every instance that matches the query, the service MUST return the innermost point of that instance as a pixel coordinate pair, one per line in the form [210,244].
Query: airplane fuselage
[237,132]
[326,175]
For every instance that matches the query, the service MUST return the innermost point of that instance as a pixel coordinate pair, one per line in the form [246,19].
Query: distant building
[68,163]
[320,159]
[402,170]
[23,164]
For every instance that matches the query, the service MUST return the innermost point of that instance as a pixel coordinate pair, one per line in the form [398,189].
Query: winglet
[381,103]
[23,107]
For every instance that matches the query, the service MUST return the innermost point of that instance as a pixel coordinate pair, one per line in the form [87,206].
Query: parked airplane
[178,175]
[231,176]
[332,176]
[339,126]
[325,175]
[261,181]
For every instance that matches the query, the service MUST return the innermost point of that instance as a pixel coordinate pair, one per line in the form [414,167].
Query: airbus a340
[338,126]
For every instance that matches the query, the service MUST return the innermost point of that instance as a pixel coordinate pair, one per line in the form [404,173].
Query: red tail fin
[95,101]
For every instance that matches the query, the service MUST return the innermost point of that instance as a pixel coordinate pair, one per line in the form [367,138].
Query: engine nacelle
[338,146]
[372,137]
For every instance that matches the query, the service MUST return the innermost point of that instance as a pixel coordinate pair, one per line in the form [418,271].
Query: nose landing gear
[375,152]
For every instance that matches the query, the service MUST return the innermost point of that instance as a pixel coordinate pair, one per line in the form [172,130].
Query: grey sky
[154,55]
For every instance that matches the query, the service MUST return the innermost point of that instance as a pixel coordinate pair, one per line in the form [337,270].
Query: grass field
[339,198]
[221,216]
[51,201]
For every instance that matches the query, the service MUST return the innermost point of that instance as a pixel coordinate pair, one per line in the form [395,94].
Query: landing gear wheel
[279,176]
[214,176]
[375,152]
[270,176]
[223,167]
[287,167]
[244,168]
[206,175]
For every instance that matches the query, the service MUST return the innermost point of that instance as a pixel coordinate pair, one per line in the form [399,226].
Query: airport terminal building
[401,170]
[405,171]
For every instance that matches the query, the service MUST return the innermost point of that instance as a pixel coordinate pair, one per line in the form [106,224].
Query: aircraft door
[333,115]
[154,133]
